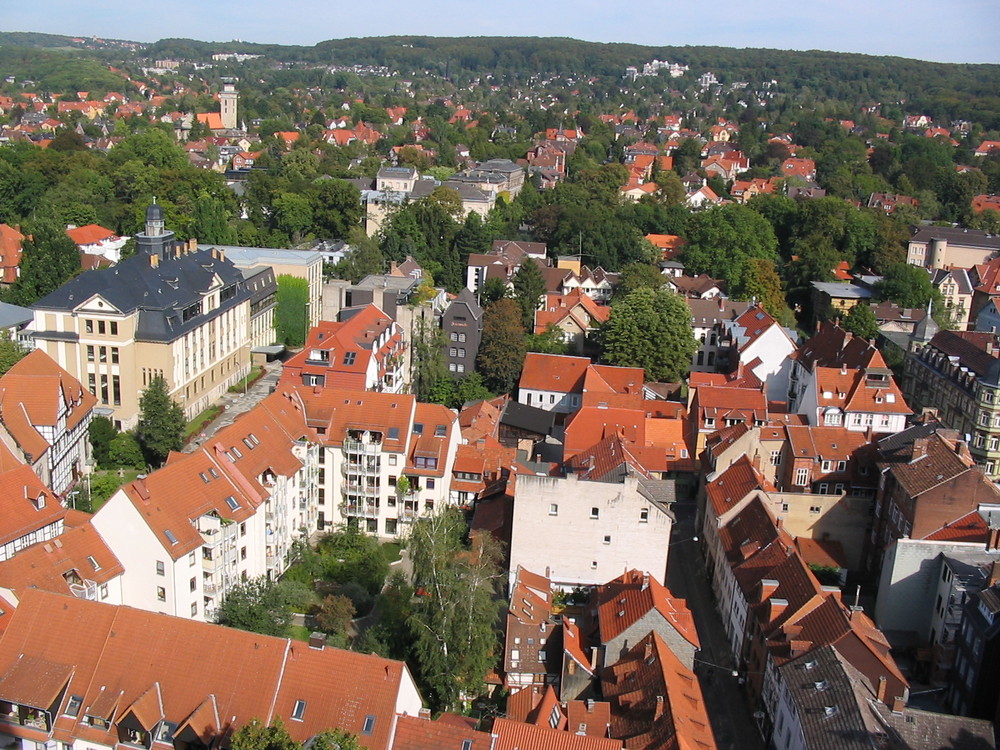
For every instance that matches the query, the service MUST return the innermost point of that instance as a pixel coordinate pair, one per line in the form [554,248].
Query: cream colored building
[168,310]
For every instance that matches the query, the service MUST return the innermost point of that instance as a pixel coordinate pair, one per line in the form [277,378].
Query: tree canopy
[651,329]
[161,421]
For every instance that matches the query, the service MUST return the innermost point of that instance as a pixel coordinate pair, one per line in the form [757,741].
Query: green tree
[651,329]
[10,354]
[124,451]
[161,422]
[255,735]
[336,208]
[472,237]
[101,432]
[763,284]
[430,369]
[291,314]
[364,259]
[860,320]
[293,215]
[211,221]
[550,341]
[529,286]
[49,259]
[907,286]
[335,739]
[639,276]
[263,606]
[333,614]
[492,290]
[454,622]
[722,241]
[501,351]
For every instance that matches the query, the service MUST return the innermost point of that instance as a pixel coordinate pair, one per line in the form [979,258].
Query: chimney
[898,704]
[880,695]
[154,260]
[648,651]
[660,707]
[776,607]
[595,653]
[843,369]
[919,450]
[317,640]
[994,573]
[424,713]
[192,245]
[989,348]
[645,581]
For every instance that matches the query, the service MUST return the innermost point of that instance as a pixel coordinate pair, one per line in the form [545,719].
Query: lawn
[103,485]
[390,550]
[197,424]
[255,374]
[299,632]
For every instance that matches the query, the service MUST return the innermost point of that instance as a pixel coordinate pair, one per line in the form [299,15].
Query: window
[102,327]
[243,553]
[161,593]
[88,326]
[593,564]
[369,725]
[826,466]
[160,569]
[104,591]
[841,465]
[349,358]
[194,609]
[114,328]
[390,526]
[191,559]
[430,483]
[644,515]
[194,584]
[454,336]
[90,353]
[73,705]
[595,513]
[607,539]
[461,338]
[114,355]
[93,563]
[815,509]
[775,458]
[299,711]
[392,459]
[801,477]
[553,509]
[824,488]
[453,352]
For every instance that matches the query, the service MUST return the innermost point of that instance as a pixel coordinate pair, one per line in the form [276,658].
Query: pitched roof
[553,372]
[90,234]
[26,504]
[976,350]
[512,735]
[656,702]
[76,557]
[633,595]
[418,733]
[734,484]
[129,651]
[32,394]
[832,346]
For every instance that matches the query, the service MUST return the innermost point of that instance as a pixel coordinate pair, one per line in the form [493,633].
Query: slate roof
[913,729]
[159,294]
[528,418]
[957,236]
[970,347]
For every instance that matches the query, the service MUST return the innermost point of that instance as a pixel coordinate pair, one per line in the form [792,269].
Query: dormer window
[39,501]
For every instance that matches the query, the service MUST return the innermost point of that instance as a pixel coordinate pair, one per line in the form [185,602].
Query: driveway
[236,404]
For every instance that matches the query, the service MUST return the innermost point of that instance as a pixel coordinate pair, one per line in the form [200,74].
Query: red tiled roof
[128,651]
[413,733]
[43,566]
[632,596]
[19,513]
[734,484]
[90,234]
[969,528]
[553,372]
[656,702]
[512,735]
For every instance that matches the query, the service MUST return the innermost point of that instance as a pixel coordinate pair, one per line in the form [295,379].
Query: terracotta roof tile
[632,596]
[413,733]
[553,372]
[512,735]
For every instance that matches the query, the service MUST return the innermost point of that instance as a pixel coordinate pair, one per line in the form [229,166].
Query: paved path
[687,578]
[239,403]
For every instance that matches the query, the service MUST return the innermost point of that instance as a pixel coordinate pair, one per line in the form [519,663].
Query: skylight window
[369,725]
[170,536]
[204,477]
[231,502]
[94,564]
[299,711]
[349,358]
[394,433]
[440,431]
[418,428]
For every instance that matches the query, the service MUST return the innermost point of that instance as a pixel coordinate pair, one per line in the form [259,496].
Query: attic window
[369,725]
[204,477]
[170,536]
[94,564]
[466,744]
[73,705]
[393,433]
[440,431]
[349,358]
[247,443]
[252,439]
[39,502]
[236,452]
[166,732]
[418,429]
[231,502]
[299,711]
[214,473]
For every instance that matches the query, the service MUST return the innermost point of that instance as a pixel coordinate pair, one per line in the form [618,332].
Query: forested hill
[964,91]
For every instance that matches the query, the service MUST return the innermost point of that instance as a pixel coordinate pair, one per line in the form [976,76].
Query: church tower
[228,98]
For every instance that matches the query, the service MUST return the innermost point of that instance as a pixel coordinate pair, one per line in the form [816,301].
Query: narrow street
[687,578]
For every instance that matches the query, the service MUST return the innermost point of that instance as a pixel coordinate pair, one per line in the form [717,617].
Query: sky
[948,31]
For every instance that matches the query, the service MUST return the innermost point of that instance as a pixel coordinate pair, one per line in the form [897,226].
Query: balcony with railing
[409,510]
[84,589]
[363,489]
[360,509]
[25,716]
